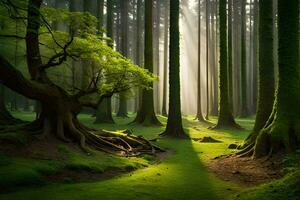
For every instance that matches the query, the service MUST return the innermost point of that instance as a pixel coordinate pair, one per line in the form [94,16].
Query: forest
[149,99]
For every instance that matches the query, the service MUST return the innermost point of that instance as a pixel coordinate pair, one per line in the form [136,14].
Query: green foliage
[114,72]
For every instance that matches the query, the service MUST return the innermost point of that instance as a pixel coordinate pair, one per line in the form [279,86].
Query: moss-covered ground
[182,175]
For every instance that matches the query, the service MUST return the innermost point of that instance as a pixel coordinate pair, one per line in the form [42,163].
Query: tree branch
[14,79]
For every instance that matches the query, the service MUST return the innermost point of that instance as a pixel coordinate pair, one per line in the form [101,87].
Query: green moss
[286,188]
[16,172]
[182,175]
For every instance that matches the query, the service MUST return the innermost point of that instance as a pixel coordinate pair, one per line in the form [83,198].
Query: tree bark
[207,59]
[199,115]
[124,49]
[104,111]
[282,131]
[266,69]
[225,119]
[59,110]
[146,114]
[245,109]
[166,46]
[174,124]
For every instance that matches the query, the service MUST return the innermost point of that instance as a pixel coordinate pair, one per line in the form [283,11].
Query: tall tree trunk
[282,131]
[225,114]
[146,114]
[122,112]
[156,56]
[174,125]
[230,57]
[207,59]
[139,34]
[245,111]
[266,70]
[104,111]
[199,115]
[166,46]
[100,8]
[255,53]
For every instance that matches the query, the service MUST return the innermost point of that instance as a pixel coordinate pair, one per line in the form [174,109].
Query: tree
[122,112]
[207,58]
[255,52]
[225,114]
[244,111]
[174,125]
[266,70]
[146,114]
[166,46]
[282,131]
[60,108]
[199,115]
[156,34]
[104,111]
[230,57]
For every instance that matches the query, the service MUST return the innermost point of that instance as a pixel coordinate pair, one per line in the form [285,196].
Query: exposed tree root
[174,133]
[117,143]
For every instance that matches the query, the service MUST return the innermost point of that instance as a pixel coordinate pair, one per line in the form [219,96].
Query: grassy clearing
[181,176]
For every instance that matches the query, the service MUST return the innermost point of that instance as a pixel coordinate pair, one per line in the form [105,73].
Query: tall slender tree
[199,115]
[122,112]
[166,45]
[207,58]
[104,111]
[244,111]
[146,114]
[282,131]
[174,125]
[255,52]
[230,57]
[225,114]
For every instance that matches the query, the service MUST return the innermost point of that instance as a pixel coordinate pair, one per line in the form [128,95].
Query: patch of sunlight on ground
[182,176]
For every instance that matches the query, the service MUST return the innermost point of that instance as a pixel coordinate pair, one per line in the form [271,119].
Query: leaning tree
[61,105]
[282,130]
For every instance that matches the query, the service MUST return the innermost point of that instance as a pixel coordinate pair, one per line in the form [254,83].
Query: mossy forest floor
[180,174]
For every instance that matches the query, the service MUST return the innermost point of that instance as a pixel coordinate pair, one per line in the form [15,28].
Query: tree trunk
[104,111]
[124,49]
[146,114]
[282,131]
[199,115]
[255,53]
[266,69]
[58,117]
[174,124]
[226,119]
[207,59]
[245,111]
[166,46]
[230,57]
[156,56]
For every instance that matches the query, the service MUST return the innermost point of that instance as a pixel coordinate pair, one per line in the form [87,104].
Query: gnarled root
[281,135]
[118,143]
